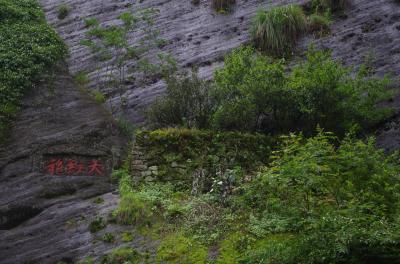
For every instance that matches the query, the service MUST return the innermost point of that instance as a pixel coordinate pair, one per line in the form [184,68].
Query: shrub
[250,88]
[97,225]
[63,11]
[319,24]
[127,237]
[222,5]
[132,209]
[81,79]
[337,202]
[276,31]
[125,126]
[326,93]
[123,255]
[176,249]
[187,102]
[254,93]
[88,260]
[28,48]
[108,237]
[98,96]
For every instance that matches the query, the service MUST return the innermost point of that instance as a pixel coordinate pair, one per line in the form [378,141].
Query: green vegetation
[81,80]
[336,204]
[222,5]
[88,260]
[28,49]
[179,153]
[98,200]
[97,225]
[330,5]
[211,192]
[133,210]
[122,255]
[255,93]
[110,45]
[177,249]
[127,237]
[319,24]
[63,11]
[320,198]
[108,237]
[98,96]
[187,101]
[276,30]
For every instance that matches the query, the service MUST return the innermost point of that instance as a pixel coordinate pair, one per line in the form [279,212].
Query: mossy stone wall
[176,154]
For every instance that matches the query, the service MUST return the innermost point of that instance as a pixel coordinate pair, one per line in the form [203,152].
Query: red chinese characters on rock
[58,166]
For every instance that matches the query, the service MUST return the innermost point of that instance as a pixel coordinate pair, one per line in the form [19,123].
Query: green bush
[187,102]
[123,255]
[132,209]
[327,94]
[319,24]
[340,204]
[249,88]
[276,31]
[98,96]
[257,94]
[97,225]
[108,237]
[177,249]
[63,11]
[127,237]
[28,48]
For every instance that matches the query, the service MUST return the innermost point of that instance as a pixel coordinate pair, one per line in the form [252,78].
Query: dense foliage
[321,200]
[255,93]
[188,101]
[330,204]
[28,47]
[275,31]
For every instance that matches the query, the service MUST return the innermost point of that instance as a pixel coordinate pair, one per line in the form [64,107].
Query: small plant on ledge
[222,5]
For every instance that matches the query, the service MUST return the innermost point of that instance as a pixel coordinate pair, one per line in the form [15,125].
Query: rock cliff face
[44,218]
[41,212]
[198,36]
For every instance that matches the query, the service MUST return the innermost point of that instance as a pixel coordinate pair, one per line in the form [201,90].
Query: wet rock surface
[35,207]
[44,218]
[367,32]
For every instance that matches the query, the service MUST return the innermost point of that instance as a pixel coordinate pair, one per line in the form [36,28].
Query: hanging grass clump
[277,30]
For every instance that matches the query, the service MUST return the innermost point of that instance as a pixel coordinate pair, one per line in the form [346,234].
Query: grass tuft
[63,11]
[222,5]
[276,31]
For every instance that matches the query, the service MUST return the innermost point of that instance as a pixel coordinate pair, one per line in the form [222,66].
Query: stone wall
[182,156]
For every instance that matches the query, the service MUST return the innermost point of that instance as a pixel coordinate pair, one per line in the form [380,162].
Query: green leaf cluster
[28,48]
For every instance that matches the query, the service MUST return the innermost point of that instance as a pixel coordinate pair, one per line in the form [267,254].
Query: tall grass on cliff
[276,31]
[28,48]
[222,5]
